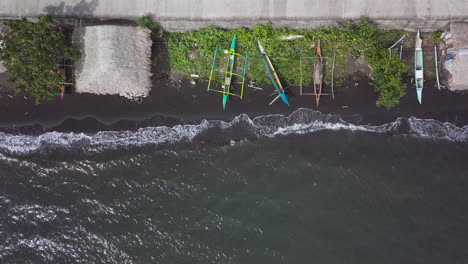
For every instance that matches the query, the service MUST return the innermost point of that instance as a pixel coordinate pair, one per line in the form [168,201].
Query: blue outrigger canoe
[272,73]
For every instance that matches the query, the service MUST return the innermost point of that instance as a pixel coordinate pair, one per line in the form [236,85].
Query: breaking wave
[301,121]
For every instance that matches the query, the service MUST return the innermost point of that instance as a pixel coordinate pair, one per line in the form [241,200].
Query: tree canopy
[32,53]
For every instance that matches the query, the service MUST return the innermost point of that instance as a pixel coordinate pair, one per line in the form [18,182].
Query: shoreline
[168,106]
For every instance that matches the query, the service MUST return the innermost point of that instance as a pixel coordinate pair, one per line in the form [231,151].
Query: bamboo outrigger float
[418,67]
[318,75]
[228,73]
[272,74]
[436,62]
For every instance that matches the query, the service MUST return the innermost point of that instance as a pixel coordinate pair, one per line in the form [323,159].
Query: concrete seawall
[183,15]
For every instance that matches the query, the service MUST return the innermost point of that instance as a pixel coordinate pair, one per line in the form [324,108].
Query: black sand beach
[87,113]
[172,102]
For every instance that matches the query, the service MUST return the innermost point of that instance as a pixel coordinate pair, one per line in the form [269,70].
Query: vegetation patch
[32,54]
[147,22]
[192,53]
[437,36]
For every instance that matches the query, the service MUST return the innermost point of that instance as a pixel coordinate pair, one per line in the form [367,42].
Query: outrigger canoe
[418,67]
[272,73]
[229,72]
[318,74]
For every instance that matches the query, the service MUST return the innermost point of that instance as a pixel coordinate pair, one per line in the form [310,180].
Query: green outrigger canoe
[228,73]
[230,69]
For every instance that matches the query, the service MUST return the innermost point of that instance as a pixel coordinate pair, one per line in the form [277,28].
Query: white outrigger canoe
[418,67]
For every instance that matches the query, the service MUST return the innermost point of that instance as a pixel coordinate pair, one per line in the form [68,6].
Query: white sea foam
[302,121]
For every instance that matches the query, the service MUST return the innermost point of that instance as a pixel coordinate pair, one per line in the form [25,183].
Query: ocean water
[307,188]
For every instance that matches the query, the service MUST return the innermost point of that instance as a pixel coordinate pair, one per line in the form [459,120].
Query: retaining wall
[182,15]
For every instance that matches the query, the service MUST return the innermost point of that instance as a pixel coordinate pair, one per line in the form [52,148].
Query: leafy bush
[192,53]
[387,78]
[437,36]
[32,53]
[145,21]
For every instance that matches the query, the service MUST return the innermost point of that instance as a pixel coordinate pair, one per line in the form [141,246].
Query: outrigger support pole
[398,41]
[437,67]
[300,68]
[332,80]
[317,57]
[212,67]
[243,75]
[274,100]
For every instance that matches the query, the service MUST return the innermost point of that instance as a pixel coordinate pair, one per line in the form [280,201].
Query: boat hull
[284,98]
[272,74]
[419,94]
[228,77]
[318,74]
[419,67]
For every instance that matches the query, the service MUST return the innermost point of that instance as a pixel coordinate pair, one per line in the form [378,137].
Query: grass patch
[192,53]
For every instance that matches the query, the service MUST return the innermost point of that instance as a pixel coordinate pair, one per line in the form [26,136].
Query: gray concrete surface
[457,46]
[180,15]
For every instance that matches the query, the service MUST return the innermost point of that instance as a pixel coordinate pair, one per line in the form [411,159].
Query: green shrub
[146,22]
[386,77]
[437,35]
[192,53]
[32,54]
